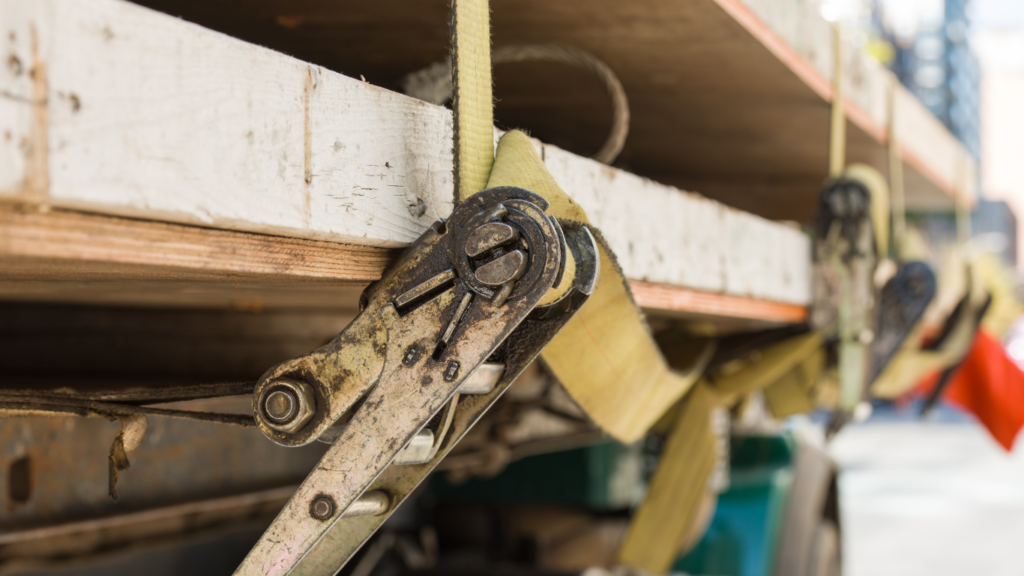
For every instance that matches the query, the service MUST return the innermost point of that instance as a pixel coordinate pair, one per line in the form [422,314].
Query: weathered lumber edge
[74,257]
[112,108]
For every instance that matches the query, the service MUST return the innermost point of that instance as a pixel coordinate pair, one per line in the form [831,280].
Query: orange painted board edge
[676,299]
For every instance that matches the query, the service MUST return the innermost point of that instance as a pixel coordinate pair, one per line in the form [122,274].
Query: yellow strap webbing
[659,526]
[472,98]
[878,189]
[795,392]
[837,133]
[605,356]
[772,364]
[896,184]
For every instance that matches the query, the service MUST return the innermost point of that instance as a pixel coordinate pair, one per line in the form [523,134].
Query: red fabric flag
[989,385]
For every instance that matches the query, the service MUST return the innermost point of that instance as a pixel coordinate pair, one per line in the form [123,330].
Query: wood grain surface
[729,97]
[69,257]
[148,116]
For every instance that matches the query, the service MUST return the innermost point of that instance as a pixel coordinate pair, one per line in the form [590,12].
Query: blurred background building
[937,63]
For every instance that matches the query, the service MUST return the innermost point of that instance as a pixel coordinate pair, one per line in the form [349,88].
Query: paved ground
[938,498]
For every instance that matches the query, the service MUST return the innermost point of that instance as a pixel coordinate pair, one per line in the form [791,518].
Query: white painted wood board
[153,117]
[22,136]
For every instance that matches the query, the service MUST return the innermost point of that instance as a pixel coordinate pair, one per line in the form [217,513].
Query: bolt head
[286,405]
[281,406]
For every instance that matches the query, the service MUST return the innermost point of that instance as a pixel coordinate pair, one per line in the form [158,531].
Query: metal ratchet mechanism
[468,306]
[847,258]
[867,323]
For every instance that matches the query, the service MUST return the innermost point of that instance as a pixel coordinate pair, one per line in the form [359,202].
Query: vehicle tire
[824,559]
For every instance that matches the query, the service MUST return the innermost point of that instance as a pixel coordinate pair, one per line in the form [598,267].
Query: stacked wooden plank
[119,110]
[727,98]
[115,110]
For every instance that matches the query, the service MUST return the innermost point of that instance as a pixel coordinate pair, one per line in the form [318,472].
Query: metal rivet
[322,507]
[451,371]
[412,355]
